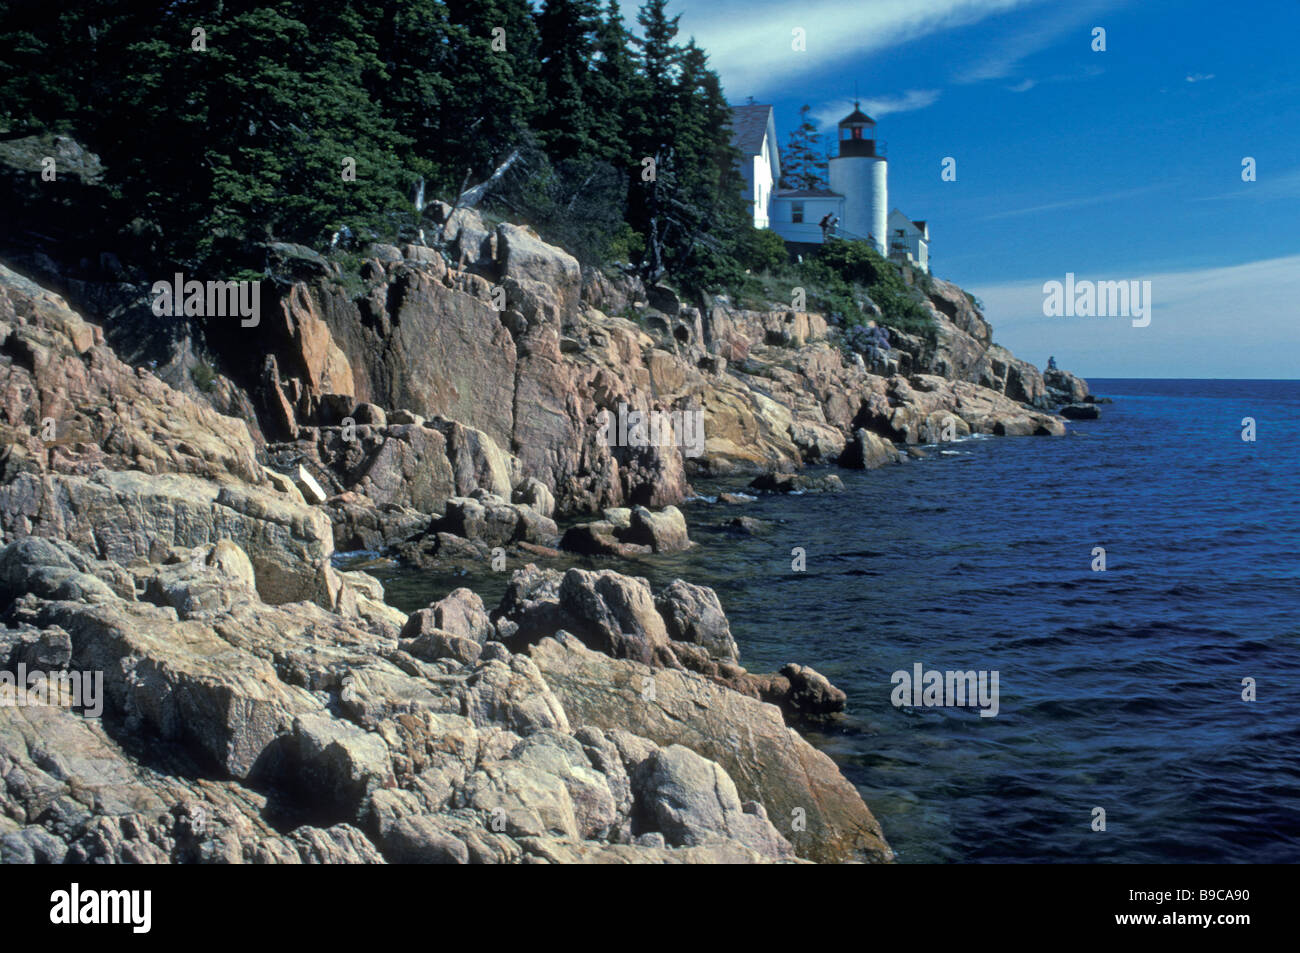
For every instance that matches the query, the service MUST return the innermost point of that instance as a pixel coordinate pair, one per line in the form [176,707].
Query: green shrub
[761,249]
[625,245]
[204,377]
[841,266]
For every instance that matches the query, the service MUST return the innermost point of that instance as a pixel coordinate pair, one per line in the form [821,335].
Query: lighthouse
[860,173]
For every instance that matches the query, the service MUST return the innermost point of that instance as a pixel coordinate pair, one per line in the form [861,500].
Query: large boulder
[694,614]
[542,281]
[805,797]
[432,349]
[692,800]
[664,532]
[1064,387]
[492,520]
[461,613]
[536,494]
[405,465]
[71,406]
[180,682]
[331,763]
[615,614]
[867,451]
[123,515]
[629,532]
[595,809]
[476,460]
[76,795]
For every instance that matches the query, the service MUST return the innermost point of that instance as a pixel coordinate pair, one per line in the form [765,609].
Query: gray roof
[748,126]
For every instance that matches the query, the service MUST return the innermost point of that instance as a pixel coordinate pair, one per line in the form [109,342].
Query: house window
[796,212]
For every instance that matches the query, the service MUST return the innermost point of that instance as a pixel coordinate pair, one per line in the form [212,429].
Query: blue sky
[1123,164]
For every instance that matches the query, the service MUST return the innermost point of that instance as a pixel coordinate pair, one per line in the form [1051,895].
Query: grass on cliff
[842,280]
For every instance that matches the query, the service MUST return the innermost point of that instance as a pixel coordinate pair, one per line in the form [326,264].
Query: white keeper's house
[858,193]
[753,132]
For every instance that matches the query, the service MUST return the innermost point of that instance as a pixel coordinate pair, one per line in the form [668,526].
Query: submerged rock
[798,483]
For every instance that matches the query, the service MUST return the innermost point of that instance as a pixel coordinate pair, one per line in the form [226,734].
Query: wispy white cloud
[1199,77]
[828,114]
[1077,202]
[911,100]
[1232,321]
[1028,83]
[1267,187]
[750,43]
[1005,54]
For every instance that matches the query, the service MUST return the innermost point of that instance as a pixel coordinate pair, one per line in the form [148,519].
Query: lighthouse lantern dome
[857,134]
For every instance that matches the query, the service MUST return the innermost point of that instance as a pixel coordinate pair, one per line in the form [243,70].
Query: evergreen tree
[247,136]
[706,209]
[651,122]
[659,54]
[567,46]
[287,118]
[612,88]
[415,41]
[210,151]
[43,59]
[495,86]
[803,166]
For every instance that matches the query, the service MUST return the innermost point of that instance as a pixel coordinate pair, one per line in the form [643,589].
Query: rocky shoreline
[176,533]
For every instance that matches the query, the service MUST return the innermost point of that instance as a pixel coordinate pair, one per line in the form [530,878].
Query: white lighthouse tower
[861,175]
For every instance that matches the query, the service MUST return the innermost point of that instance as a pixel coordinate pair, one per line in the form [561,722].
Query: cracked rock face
[521,392]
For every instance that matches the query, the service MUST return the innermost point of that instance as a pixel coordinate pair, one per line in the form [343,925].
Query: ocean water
[1119,690]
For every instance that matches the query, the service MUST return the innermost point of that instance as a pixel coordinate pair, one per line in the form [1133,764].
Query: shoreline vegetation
[361,369]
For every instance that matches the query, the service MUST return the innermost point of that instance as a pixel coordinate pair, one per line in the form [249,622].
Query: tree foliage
[803,165]
[224,123]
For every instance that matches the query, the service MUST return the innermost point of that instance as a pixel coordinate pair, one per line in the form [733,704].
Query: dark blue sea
[1120,690]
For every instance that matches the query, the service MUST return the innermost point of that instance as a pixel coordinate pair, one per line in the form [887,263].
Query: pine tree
[287,110]
[414,43]
[568,43]
[612,89]
[706,210]
[652,120]
[495,89]
[659,54]
[208,153]
[803,165]
[43,57]
[256,129]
